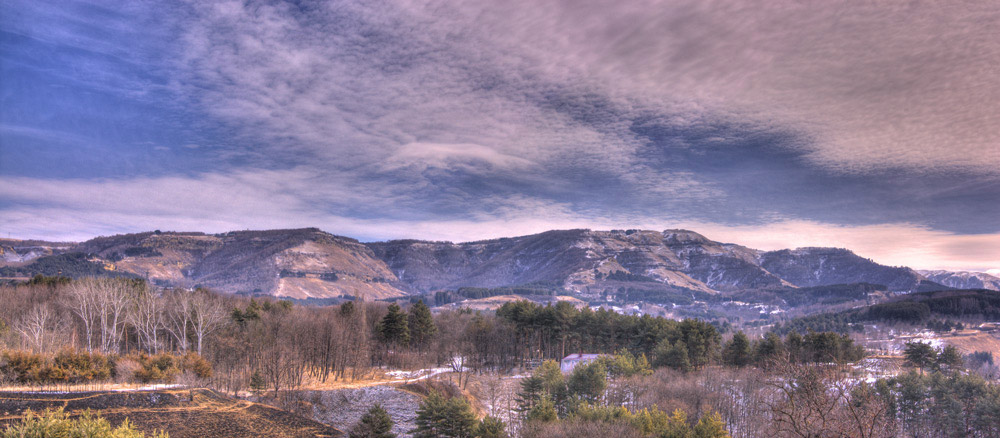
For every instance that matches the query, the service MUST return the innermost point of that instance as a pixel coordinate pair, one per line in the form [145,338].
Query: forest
[931,309]
[654,376]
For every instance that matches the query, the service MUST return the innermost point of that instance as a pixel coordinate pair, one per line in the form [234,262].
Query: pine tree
[589,381]
[460,421]
[949,358]
[374,424]
[674,356]
[710,426]
[438,417]
[737,350]
[532,389]
[919,354]
[544,411]
[347,309]
[430,417]
[257,382]
[768,350]
[491,427]
[421,324]
[394,329]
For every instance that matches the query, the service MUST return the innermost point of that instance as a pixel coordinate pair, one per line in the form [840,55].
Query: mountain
[589,261]
[578,260]
[301,263]
[822,266]
[14,251]
[309,263]
[963,280]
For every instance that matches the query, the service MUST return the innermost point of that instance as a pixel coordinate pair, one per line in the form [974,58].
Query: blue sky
[865,126]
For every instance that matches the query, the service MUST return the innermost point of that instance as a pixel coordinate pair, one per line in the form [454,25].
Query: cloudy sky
[868,125]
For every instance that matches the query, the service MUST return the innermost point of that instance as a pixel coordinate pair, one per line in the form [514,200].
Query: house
[568,363]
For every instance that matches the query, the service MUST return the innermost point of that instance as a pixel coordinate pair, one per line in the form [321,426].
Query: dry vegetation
[182,414]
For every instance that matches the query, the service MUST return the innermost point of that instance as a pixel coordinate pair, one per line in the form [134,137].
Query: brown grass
[969,341]
[209,414]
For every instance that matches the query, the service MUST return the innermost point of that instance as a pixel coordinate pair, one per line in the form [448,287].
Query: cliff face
[306,263]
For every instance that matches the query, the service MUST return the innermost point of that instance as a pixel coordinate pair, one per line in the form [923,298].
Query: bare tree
[111,299]
[207,315]
[815,402]
[82,302]
[146,315]
[178,319]
[34,326]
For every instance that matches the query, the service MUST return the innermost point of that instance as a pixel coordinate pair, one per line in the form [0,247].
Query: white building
[568,363]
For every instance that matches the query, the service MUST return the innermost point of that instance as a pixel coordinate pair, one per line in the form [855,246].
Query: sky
[873,126]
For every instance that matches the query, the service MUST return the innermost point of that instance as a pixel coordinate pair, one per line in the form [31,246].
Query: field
[181,413]
[970,341]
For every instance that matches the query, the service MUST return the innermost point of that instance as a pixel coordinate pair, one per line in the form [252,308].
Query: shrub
[58,424]
[24,366]
[198,365]
[159,368]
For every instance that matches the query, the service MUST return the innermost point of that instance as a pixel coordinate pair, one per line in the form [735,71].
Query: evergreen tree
[544,411]
[374,424]
[701,340]
[421,324]
[430,417]
[768,350]
[710,426]
[394,328]
[949,359]
[460,421]
[347,309]
[919,354]
[737,350]
[673,355]
[491,427]
[532,390]
[257,382]
[794,346]
[440,417]
[589,381]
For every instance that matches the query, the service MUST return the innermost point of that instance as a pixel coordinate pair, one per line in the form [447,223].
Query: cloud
[426,155]
[464,119]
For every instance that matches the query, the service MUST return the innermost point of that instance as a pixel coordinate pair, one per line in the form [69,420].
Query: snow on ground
[107,389]
[149,387]
[457,365]
[343,408]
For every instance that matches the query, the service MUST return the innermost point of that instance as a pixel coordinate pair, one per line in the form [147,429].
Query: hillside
[309,263]
[917,308]
[806,267]
[14,251]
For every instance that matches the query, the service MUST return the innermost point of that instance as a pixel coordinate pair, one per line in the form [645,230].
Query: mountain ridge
[311,263]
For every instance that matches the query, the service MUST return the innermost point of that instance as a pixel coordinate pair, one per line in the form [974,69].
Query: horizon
[989,271]
[863,126]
